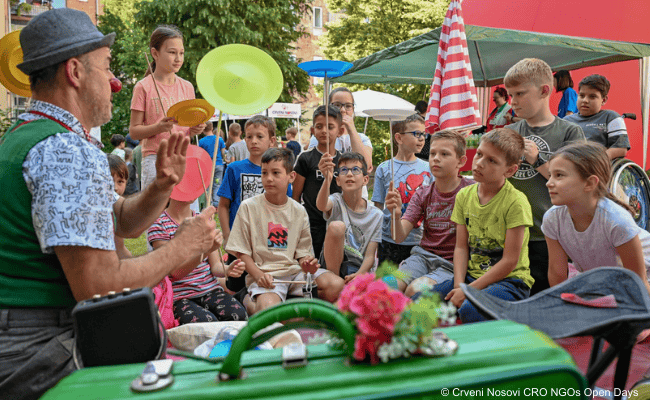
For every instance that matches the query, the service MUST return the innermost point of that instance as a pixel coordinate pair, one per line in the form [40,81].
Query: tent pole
[365,126]
[480,62]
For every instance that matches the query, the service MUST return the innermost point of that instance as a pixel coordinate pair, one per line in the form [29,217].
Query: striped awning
[453,103]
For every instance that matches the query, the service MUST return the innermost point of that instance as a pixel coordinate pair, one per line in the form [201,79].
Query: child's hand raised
[309,264]
[265,281]
[348,123]
[236,268]
[531,151]
[394,200]
[326,166]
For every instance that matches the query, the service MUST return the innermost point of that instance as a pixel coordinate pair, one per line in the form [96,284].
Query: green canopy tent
[492,51]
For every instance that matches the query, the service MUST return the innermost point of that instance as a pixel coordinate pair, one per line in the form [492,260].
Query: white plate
[394,114]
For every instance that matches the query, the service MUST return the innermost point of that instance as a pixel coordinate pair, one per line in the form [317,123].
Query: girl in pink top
[149,122]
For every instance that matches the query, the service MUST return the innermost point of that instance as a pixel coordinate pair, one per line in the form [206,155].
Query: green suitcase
[496,359]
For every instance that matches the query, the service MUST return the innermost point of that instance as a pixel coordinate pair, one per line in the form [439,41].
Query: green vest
[28,278]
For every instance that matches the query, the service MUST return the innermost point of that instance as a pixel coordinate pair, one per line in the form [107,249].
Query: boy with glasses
[353,223]
[410,173]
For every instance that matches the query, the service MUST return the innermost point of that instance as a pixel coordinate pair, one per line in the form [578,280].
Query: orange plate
[191,112]
[11,54]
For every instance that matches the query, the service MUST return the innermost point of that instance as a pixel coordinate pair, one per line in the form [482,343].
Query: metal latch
[294,355]
[156,375]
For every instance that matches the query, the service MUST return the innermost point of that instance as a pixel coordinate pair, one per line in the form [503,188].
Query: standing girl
[148,120]
[587,223]
[569,103]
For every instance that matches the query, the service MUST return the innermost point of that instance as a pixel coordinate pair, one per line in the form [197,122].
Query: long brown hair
[590,158]
[158,38]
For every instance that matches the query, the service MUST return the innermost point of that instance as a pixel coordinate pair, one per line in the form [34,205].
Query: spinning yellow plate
[11,54]
[239,79]
[191,112]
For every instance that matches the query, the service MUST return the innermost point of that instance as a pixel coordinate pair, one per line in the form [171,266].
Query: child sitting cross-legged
[198,287]
[492,220]
[271,236]
[353,224]
[431,262]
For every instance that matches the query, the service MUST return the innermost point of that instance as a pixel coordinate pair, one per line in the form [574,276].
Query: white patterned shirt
[71,186]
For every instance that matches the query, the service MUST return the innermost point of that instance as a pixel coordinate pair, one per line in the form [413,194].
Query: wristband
[540,161]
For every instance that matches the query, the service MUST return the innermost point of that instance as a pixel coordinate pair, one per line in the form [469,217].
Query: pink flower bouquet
[389,324]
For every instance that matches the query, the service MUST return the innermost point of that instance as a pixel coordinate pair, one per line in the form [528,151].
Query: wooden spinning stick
[162,106]
[223,267]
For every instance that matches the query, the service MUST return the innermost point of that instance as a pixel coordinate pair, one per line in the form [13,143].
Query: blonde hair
[457,140]
[507,141]
[529,70]
[590,159]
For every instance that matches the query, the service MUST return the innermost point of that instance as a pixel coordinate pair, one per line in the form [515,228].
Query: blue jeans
[507,289]
[218,176]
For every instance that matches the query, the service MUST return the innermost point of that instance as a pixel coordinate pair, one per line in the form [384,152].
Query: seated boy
[410,174]
[431,262]
[353,224]
[492,220]
[271,236]
[243,179]
[602,126]
[309,179]
[530,84]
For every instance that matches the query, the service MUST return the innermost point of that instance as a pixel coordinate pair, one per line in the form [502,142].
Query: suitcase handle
[315,309]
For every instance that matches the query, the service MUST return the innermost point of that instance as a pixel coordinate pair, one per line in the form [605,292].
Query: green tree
[270,25]
[371,26]
[127,63]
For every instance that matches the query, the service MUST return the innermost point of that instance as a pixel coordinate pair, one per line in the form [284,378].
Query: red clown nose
[116,85]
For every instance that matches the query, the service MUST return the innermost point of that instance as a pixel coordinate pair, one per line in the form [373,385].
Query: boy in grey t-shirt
[353,223]
[602,126]
[530,83]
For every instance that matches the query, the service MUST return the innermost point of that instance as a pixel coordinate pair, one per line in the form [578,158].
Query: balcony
[29,10]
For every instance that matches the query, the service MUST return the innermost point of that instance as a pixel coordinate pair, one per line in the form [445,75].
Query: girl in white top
[587,223]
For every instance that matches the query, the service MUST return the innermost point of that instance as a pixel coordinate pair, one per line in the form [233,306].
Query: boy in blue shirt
[243,178]
[411,173]
[602,126]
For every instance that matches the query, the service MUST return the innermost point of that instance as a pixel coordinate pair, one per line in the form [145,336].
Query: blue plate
[318,68]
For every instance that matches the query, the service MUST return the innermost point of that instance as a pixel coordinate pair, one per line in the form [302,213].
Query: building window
[316,80]
[58,3]
[318,17]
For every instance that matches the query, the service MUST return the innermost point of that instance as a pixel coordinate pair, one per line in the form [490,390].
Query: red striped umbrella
[452,102]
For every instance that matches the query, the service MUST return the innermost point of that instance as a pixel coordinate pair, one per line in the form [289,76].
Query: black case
[120,328]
